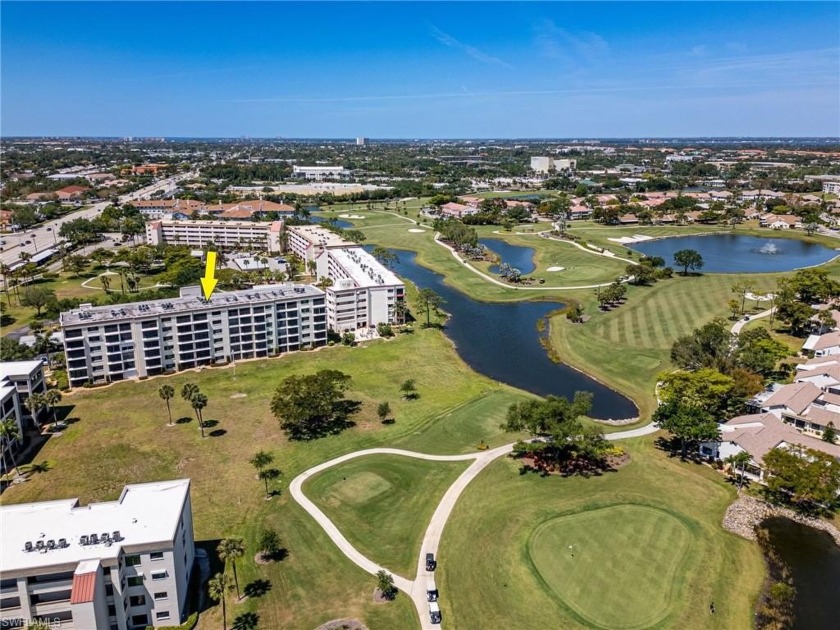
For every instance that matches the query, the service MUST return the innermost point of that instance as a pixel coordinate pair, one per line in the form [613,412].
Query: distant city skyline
[409,70]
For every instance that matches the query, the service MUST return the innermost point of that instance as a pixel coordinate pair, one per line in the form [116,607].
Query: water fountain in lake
[768,248]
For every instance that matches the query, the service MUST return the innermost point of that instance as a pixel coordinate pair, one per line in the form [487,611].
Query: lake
[814,562]
[736,253]
[501,340]
[515,255]
[339,223]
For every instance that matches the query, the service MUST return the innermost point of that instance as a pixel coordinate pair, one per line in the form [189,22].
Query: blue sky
[412,70]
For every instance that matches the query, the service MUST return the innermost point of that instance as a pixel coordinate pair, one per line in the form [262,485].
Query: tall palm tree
[741,460]
[5,271]
[199,402]
[52,397]
[268,474]
[217,588]
[106,283]
[232,549]
[34,403]
[188,391]
[167,392]
[9,432]
[400,311]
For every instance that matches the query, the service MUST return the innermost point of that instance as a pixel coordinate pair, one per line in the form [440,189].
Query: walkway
[507,285]
[737,326]
[416,588]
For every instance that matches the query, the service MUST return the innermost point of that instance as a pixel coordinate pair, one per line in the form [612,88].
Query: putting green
[587,560]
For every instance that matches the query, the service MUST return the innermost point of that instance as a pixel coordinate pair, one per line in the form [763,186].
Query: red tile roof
[84,587]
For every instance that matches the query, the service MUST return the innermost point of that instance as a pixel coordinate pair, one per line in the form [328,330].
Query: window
[159,575]
[112,610]
[140,620]
[157,555]
[161,596]
[137,600]
[136,580]
[131,561]
[164,614]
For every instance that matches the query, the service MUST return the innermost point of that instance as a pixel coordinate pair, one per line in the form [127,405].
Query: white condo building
[119,565]
[541,164]
[319,173]
[18,379]
[228,234]
[110,343]
[364,292]
[307,241]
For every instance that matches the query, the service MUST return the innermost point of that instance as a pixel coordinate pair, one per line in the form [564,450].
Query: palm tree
[5,271]
[268,474]
[166,392]
[9,432]
[34,404]
[199,402]
[741,460]
[188,391]
[52,397]
[431,300]
[261,459]
[232,549]
[217,588]
[400,311]
[106,283]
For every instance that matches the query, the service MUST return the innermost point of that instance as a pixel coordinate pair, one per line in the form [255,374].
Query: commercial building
[831,187]
[363,293]
[120,565]
[165,208]
[360,141]
[542,164]
[111,343]
[18,380]
[226,234]
[307,241]
[319,173]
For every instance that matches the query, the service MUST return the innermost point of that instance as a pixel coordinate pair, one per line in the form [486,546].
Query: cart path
[416,588]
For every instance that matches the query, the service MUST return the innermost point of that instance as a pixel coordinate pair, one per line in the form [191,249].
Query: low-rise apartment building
[18,380]
[307,241]
[319,173]
[225,234]
[363,293]
[110,343]
[119,565]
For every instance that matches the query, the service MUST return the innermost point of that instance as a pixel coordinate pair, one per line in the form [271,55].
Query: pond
[339,223]
[502,341]
[814,561]
[515,255]
[736,253]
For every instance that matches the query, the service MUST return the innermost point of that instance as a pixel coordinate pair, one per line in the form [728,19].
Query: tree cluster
[313,405]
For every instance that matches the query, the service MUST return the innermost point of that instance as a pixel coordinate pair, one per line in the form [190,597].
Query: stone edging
[747,512]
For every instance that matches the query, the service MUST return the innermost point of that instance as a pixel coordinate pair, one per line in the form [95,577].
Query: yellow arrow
[208,282]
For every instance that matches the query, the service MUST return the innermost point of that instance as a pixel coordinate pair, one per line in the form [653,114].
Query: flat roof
[145,513]
[318,235]
[364,268]
[218,223]
[18,368]
[141,310]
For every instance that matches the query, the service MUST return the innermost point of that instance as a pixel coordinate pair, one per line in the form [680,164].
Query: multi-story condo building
[109,343]
[363,293]
[307,241]
[165,208]
[120,565]
[319,173]
[227,234]
[18,380]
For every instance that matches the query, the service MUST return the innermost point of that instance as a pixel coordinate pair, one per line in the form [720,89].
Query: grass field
[121,437]
[578,559]
[384,503]
[648,548]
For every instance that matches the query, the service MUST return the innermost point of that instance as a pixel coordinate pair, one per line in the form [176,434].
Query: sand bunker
[555,269]
[351,216]
[416,231]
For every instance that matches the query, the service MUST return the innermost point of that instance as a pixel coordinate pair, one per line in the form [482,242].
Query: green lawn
[649,551]
[121,437]
[383,504]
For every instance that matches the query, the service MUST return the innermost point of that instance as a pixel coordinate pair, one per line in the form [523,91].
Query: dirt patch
[239,395]
[380,598]
[342,624]
[260,559]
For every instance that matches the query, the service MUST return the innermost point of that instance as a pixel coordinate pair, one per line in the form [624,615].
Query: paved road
[737,326]
[45,236]
[416,588]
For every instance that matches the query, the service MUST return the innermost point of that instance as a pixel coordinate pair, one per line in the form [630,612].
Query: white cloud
[576,48]
[470,51]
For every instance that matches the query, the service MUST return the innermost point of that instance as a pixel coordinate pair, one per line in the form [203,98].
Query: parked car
[430,562]
[434,612]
